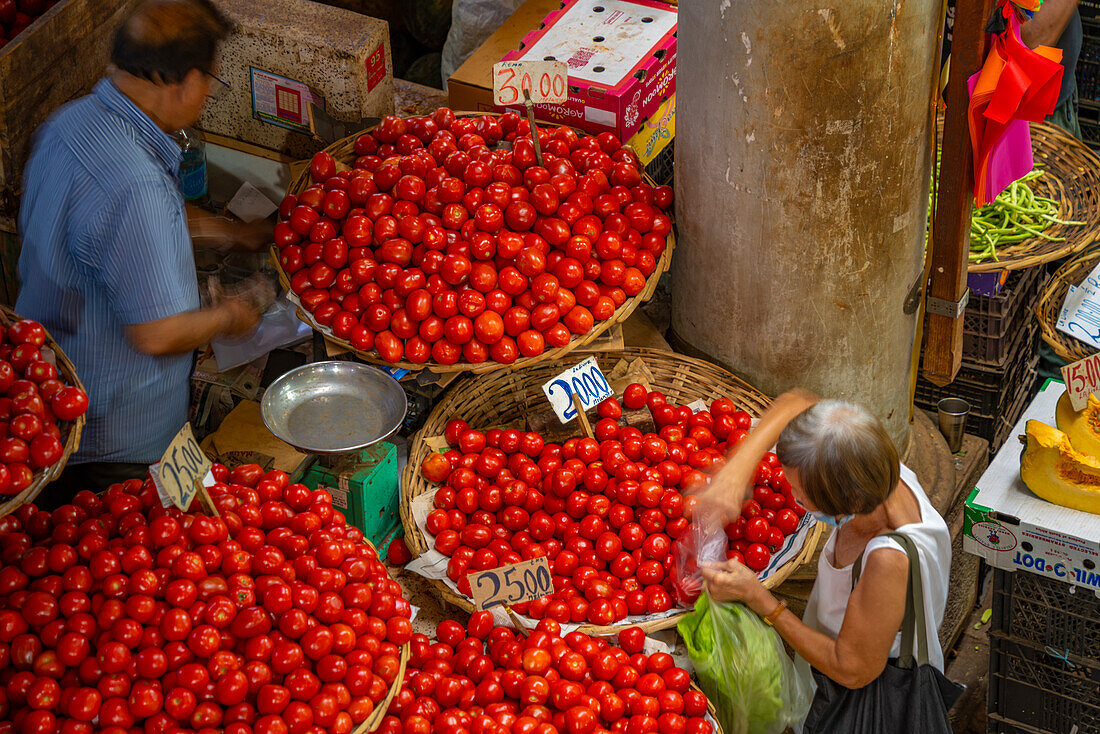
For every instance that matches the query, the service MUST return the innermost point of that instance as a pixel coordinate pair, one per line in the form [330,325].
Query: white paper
[433,565]
[584,379]
[249,204]
[1080,314]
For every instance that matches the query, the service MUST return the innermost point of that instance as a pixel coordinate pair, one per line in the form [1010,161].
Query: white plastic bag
[472,21]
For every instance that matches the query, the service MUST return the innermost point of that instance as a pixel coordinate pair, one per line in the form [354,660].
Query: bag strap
[914,624]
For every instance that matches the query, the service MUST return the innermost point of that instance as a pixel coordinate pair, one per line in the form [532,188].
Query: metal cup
[952,416]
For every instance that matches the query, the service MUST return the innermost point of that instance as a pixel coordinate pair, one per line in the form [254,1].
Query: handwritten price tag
[512,584]
[1082,378]
[547,81]
[180,472]
[585,380]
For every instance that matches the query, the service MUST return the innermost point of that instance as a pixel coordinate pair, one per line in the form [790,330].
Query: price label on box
[1082,378]
[547,82]
[585,380]
[180,472]
[513,584]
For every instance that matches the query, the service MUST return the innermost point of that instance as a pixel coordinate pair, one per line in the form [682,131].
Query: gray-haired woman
[843,468]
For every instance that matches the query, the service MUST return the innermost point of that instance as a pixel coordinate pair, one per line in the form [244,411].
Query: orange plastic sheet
[1016,85]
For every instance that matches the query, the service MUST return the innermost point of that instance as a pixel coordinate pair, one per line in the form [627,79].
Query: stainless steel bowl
[333,407]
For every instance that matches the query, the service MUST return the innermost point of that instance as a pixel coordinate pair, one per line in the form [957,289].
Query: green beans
[1016,215]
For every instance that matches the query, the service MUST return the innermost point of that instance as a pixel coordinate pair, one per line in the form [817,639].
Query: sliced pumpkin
[1056,471]
[1082,427]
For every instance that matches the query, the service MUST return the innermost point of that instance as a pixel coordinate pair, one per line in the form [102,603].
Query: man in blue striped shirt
[107,263]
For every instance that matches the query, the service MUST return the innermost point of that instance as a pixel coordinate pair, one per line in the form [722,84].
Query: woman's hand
[732,581]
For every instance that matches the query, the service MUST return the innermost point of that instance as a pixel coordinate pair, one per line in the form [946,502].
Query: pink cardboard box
[622,62]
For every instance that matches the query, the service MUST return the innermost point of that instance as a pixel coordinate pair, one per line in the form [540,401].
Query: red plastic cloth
[1015,85]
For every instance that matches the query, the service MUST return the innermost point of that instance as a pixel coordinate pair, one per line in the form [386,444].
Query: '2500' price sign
[512,584]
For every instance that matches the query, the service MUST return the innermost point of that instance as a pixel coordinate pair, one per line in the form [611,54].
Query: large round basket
[344,153]
[505,398]
[374,720]
[1049,307]
[1071,176]
[70,432]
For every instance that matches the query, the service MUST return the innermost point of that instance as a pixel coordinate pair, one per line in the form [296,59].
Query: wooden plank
[57,58]
[249,148]
[951,230]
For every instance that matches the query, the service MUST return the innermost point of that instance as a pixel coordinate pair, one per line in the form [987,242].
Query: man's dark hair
[163,40]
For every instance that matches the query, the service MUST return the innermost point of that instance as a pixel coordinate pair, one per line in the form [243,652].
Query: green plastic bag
[744,670]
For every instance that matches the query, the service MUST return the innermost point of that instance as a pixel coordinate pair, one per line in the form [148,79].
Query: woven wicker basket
[372,722]
[344,153]
[70,432]
[1050,303]
[1072,177]
[505,398]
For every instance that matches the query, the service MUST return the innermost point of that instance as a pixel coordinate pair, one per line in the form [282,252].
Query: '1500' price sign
[1082,378]
[513,584]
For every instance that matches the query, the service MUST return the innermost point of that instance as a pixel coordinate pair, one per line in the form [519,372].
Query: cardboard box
[59,57]
[1014,530]
[243,438]
[622,62]
[286,54]
[470,88]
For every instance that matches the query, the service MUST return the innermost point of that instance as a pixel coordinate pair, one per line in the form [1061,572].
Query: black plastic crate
[1042,688]
[660,168]
[1046,613]
[990,315]
[989,390]
[990,323]
[998,429]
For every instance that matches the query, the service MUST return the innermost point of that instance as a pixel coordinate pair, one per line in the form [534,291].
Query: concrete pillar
[802,161]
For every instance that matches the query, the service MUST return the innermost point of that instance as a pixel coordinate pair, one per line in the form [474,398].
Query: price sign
[180,472]
[547,81]
[512,584]
[1082,378]
[584,380]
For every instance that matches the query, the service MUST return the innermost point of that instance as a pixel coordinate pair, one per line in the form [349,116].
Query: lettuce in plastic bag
[744,670]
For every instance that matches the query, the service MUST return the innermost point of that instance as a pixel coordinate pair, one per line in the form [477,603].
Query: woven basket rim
[71,431]
[1052,297]
[340,150]
[413,485]
[1071,169]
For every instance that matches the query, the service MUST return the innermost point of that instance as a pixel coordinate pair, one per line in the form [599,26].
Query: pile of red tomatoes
[34,401]
[442,244]
[118,615]
[481,679]
[605,511]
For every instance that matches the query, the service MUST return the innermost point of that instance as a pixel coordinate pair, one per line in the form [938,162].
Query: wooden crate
[57,58]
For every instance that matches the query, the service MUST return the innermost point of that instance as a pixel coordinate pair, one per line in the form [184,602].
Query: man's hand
[221,233]
[238,316]
[253,236]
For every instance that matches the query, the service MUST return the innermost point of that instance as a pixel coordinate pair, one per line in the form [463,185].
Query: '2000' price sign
[584,380]
[545,81]
[513,584]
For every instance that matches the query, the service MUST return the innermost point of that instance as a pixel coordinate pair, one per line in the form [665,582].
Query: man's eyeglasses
[217,86]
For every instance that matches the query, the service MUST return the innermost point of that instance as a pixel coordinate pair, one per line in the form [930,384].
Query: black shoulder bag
[910,697]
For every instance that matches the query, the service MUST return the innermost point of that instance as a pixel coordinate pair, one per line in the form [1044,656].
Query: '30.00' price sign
[513,584]
[544,81]
[584,380]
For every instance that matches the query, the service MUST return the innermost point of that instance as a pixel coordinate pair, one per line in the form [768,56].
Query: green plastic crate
[365,487]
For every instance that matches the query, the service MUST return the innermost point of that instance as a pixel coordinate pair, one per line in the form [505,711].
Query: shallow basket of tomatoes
[504,399]
[69,430]
[541,347]
[119,611]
